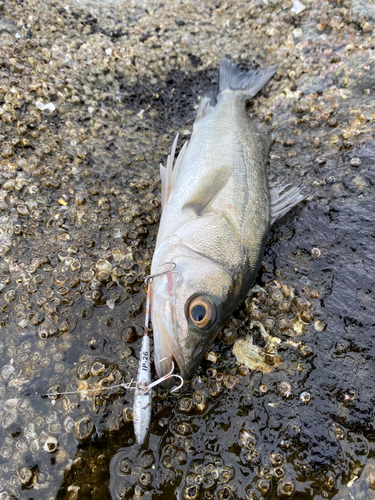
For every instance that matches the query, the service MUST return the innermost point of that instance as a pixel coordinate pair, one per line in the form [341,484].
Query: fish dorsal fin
[168,174]
[283,198]
[211,184]
[206,105]
[204,109]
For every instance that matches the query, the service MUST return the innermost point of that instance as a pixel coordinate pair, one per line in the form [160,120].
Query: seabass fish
[217,211]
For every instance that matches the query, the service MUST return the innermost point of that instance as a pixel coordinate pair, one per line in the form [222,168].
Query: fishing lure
[143,396]
[142,405]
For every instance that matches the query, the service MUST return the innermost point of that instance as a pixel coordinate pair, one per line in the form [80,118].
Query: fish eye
[201,311]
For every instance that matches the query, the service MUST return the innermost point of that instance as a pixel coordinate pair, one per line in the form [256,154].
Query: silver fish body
[217,211]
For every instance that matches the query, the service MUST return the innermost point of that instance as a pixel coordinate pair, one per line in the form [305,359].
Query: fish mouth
[187,354]
[166,347]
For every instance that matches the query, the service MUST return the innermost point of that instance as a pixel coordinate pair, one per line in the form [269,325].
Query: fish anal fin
[211,184]
[283,198]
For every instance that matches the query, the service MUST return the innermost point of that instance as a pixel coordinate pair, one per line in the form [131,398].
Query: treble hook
[145,389]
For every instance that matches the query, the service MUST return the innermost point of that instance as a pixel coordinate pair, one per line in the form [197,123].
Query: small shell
[84,428]
[200,401]
[355,162]
[215,389]
[263,486]
[47,109]
[266,471]
[97,368]
[248,439]
[186,405]
[191,492]
[212,356]
[307,315]
[339,432]
[277,296]
[284,389]
[276,458]
[103,265]
[315,252]
[319,326]
[128,415]
[279,472]
[305,397]
[183,429]
[263,389]
[25,475]
[51,444]
[286,488]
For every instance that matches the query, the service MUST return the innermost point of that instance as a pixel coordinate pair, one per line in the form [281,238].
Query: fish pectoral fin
[283,199]
[211,184]
[168,174]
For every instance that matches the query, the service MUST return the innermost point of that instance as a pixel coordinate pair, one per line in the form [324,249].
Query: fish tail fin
[247,82]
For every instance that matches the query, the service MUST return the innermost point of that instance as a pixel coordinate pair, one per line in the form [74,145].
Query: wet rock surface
[90,99]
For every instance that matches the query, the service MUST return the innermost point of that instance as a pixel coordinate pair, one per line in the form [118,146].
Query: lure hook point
[165,377]
[171,374]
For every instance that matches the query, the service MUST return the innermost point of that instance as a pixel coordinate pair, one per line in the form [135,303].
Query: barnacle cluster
[278,312]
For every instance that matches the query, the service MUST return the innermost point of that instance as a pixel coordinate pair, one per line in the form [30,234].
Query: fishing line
[125,385]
